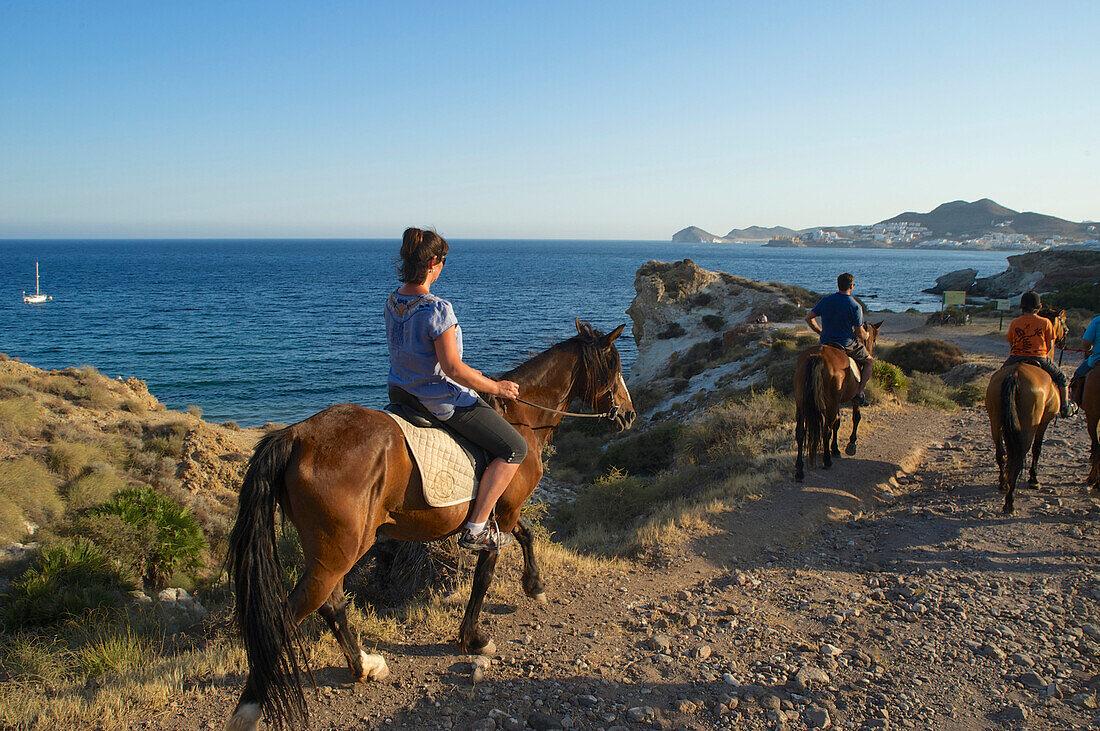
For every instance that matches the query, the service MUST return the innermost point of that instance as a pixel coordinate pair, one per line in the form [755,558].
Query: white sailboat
[37,298]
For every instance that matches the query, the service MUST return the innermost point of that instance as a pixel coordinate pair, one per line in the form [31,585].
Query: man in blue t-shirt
[1077,383]
[841,324]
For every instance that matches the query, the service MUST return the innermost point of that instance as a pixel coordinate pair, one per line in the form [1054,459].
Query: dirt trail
[886,592]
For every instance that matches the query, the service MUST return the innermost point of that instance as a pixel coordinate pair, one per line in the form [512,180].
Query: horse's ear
[612,336]
[580,327]
[877,325]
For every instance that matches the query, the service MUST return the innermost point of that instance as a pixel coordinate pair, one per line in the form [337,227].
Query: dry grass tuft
[71,459]
[97,486]
[27,492]
[19,416]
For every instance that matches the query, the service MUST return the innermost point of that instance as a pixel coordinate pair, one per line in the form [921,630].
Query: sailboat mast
[36,277]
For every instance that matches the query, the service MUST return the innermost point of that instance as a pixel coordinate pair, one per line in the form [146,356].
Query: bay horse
[1090,401]
[345,475]
[822,382]
[1021,400]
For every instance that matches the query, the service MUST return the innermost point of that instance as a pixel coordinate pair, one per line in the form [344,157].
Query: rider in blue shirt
[841,322]
[1077,384]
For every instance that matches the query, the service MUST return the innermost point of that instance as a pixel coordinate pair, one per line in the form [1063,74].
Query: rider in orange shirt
[1031,338]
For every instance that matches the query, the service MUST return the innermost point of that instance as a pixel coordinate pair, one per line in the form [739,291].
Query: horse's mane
[591,360]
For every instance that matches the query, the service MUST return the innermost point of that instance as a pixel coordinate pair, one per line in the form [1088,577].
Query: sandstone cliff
[698,330]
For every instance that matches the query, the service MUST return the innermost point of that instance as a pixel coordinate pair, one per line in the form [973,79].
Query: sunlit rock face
[698,331]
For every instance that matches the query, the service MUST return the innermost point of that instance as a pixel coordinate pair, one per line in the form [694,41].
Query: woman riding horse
[1022,397]
[425,344]
[345,475]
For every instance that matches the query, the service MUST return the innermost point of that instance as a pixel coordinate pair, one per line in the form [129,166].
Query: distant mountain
[760,233]
[696,235]
[960,219]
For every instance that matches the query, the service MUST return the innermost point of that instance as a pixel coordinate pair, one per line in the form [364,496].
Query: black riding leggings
[483,426]
[1046,364]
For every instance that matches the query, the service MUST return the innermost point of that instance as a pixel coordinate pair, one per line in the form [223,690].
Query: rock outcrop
[960,280]
[1042,271]
[698,330]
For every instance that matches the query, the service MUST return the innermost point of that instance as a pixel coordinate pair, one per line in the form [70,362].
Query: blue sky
[536,120]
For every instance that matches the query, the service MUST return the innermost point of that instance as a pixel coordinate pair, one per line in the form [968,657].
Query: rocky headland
[1042,271]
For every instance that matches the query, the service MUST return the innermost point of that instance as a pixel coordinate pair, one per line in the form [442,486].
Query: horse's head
[1058,319]
[872,335]
[599,374]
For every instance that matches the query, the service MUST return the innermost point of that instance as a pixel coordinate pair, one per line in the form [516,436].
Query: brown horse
[1021,400]
[345,475]
[822,382]
[1090,400]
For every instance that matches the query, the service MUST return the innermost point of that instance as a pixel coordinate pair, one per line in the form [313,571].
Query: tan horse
[822,382]
[345,475]
[1021,400]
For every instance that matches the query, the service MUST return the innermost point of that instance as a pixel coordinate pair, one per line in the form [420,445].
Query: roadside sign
[954,298]
[1004,305]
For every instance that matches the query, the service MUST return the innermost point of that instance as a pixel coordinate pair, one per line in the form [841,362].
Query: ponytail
[418,249]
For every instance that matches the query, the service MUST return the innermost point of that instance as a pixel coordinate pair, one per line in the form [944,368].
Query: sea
[258,331]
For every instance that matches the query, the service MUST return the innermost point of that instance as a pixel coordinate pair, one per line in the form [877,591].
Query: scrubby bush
[613,501]
[948,316]
[714,322]
[968,394]
[19,416]
[113,651]
[645,452]
[674,330]
[195,411]
[26,656]
[167,440]
[926,356]
[66,580]
[27,491]
[177,538]
[929,390]
[740,430]
[1084,295]
[231,425]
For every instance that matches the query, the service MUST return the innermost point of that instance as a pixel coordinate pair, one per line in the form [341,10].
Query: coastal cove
[274,330]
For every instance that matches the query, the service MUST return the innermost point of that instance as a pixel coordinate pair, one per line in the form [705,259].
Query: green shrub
[177,537]
[96,487]
[613,501]
[948,316]
[67,580]
[926,356]
[646,452]
[929,390]
[71,459]
[889,377]
[19,416]
[1084,295]
[27,491]
[714,322]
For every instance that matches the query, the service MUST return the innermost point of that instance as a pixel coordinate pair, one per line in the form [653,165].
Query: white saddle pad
[854,368]
[445,469]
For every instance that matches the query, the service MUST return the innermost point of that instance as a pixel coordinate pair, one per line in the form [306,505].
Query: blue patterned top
[413,322]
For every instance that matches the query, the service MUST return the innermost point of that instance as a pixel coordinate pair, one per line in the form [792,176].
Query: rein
[609,414]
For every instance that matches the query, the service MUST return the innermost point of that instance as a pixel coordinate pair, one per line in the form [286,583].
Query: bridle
[609,414]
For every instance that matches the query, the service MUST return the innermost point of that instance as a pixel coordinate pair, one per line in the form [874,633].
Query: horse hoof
[374,667]
[541,598]
[850,450]
[1008,510]
[836,453]
[799,477]
[245,718]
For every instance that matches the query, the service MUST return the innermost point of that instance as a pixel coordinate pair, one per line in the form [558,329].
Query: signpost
[954,298]
[1002,306]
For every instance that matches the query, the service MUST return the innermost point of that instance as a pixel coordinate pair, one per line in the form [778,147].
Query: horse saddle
[450,466]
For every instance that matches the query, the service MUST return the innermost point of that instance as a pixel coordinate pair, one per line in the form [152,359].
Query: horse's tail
[813,398]
[1011,432]
[271,637]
